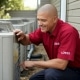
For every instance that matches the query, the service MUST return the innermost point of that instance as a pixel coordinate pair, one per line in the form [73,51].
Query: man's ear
[55,19]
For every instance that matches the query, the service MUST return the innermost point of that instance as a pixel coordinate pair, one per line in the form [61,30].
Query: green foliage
[14,5]
[2,3]
[6,5]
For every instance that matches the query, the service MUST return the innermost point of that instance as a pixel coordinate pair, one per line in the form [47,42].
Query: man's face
[46,22]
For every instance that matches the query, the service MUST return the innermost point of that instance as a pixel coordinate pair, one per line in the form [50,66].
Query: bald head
[48,8]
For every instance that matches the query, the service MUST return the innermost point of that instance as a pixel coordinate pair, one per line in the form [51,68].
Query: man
[61,42]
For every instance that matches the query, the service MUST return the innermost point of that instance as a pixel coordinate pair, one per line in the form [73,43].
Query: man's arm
[54,63]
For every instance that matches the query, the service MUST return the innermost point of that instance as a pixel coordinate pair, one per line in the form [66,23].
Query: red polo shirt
[63,43]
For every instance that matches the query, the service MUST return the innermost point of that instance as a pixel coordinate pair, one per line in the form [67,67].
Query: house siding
[44,2]
[73,13]
[57,3]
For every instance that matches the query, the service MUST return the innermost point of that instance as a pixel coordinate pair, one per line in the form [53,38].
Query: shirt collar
[57,28]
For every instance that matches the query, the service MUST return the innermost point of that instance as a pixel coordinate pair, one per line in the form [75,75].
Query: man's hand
[22,37]
[19,34]
[53,63]
[27,64]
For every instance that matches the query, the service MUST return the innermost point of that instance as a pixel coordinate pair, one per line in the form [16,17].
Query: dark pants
[55,74]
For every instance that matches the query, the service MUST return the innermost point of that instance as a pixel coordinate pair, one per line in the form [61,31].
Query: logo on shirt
[64,52]
[56,43]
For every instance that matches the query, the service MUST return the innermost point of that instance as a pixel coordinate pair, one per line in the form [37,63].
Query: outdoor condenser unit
[9,54]
[18,24]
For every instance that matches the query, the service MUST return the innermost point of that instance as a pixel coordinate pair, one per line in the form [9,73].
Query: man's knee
[38,76]
[52,74]
[49,77]
[32,78]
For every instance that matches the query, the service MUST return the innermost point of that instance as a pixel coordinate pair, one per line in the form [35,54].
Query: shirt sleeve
[36,37]
[68,42]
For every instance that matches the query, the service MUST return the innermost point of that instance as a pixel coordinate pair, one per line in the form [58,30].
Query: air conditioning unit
[9,54]
[17,24]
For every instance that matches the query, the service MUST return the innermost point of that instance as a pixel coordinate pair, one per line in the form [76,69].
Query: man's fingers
[16,31]
[19,34]
[19,39]
[23,66]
